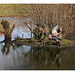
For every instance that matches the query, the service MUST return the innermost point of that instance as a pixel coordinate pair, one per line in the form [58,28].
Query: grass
[12,10]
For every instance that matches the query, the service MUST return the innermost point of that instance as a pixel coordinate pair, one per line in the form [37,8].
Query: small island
[41,36]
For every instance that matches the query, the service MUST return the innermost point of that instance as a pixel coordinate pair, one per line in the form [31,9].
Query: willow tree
[7,30]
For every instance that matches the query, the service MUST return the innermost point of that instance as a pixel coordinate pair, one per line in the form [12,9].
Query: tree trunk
[8,37]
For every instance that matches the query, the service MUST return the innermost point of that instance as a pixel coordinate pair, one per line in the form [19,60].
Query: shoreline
[41,44]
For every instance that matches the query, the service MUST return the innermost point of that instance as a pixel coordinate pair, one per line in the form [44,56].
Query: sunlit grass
[11,10]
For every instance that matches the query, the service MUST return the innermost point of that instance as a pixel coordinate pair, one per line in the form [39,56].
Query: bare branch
[11,30]
[28,26]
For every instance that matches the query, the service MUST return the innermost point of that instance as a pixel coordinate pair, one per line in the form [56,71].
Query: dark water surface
[30,58]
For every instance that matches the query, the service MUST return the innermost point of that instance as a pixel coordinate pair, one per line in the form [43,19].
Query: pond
[23,57]
[32,58]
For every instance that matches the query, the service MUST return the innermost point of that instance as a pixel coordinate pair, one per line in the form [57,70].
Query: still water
[25,57]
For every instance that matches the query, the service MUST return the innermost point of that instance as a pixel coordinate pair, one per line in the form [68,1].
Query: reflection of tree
[6,47]
[44,57]
[47,58]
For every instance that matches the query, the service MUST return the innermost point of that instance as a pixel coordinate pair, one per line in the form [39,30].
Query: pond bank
[52,43]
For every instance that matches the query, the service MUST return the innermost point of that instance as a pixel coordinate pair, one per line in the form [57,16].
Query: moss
[67,42]
[51,42]
[23,40]
[53,45]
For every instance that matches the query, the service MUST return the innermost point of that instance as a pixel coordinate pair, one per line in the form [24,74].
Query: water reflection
[13,56]
[6,47]
[47,58]
[53,58]
[26,57]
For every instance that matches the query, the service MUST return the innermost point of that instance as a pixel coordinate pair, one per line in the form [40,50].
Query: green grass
[12,10]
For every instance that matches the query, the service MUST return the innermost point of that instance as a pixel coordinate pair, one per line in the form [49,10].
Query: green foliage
[51,42]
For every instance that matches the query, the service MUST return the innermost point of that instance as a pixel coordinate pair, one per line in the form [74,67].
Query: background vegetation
[49,14]
[57,14]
